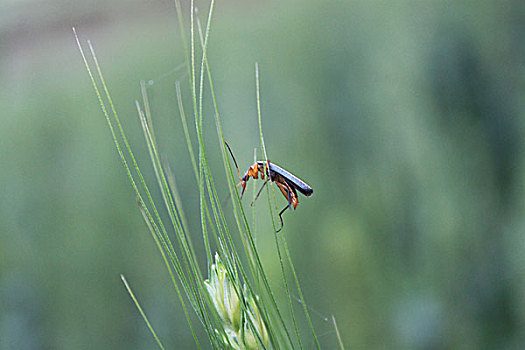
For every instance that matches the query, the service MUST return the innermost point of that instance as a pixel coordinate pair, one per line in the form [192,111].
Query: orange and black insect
[288,183]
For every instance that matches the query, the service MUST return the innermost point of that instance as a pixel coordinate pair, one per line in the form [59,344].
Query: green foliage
[238,290]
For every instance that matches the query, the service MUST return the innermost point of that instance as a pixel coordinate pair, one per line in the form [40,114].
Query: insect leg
[281,217]
[260,190]
[288,194]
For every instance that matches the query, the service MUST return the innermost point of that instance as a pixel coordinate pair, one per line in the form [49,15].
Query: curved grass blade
[132,295]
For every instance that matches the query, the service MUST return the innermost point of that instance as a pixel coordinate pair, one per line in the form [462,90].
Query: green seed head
[224,296]
[254,323]
[244,328]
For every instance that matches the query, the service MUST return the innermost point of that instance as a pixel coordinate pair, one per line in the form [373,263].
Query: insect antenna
[235,161]
[238,172]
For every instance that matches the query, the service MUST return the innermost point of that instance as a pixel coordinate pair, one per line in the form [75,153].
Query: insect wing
[293,180]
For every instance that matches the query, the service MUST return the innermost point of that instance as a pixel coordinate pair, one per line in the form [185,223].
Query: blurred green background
[406,118]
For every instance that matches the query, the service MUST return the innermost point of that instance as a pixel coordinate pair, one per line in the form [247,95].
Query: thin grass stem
[339,340]
[144,317]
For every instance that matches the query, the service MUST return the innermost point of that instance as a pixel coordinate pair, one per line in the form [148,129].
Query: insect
[288,183]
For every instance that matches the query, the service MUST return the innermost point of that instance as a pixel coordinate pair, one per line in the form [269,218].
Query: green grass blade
[339,340]
[132,295]
[281,264]
[256,267]
[170,271]
[173,258]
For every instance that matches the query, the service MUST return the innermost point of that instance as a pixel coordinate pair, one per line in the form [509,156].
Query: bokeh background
[407,118]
